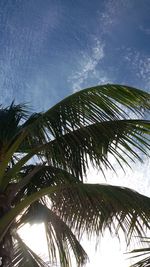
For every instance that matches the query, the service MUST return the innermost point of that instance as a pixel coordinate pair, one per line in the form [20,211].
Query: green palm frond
[122,139]
[95,207]
[23,256]
[60,238]
[100,103]
[86,127]
[91,208]
[84,115]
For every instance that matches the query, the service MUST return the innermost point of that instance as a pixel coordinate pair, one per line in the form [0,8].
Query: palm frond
[32,178]
[142,253]
[60,238]
[67,120]
[46,176]
[95,207]
[69,155]
[23,256]
[124,140]
[91,208]
[88,106]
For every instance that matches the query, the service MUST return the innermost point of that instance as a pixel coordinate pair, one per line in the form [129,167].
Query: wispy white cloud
[140,64]
[88,62]
[112,13]
[91,67]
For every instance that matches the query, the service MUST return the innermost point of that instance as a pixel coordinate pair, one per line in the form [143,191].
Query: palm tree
[44,158]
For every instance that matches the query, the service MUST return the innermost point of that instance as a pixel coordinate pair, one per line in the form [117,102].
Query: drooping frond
[23,256]
[123,139]
[91,207]
[95,207]
[68,156]
[61,240]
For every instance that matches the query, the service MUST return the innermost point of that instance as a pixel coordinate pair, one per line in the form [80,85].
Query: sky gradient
[50,49]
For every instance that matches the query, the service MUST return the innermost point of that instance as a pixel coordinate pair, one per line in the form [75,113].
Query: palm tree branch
[91,207]
[96,207]
[60,238]
[35,178]
[100,103]
[95,142]
[24,256]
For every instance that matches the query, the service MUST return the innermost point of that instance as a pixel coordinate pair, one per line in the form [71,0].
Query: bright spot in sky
[109,252]
[34,236]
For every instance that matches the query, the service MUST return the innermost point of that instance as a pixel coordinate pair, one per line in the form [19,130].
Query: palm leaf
[46,176]
[101,103]
[93,208]
[60,238]
[142,252]
[33,178]
[122,139]
[23,256]
[82,109]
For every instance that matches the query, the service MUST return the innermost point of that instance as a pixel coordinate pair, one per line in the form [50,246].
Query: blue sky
[49,49]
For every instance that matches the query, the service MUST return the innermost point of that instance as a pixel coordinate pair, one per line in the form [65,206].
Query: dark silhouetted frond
[61,240]
[88,106]
[23,256]
[95,207]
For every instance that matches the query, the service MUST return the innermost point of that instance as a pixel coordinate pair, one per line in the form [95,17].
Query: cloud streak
[140,64]
[88,63]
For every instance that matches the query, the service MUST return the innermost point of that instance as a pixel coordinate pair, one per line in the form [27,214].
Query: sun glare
[108,253]
[34,236]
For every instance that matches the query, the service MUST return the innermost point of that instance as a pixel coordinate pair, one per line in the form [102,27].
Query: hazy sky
[49,49]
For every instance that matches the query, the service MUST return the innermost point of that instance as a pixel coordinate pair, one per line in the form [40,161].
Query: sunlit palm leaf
[23,256]
[60,238]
